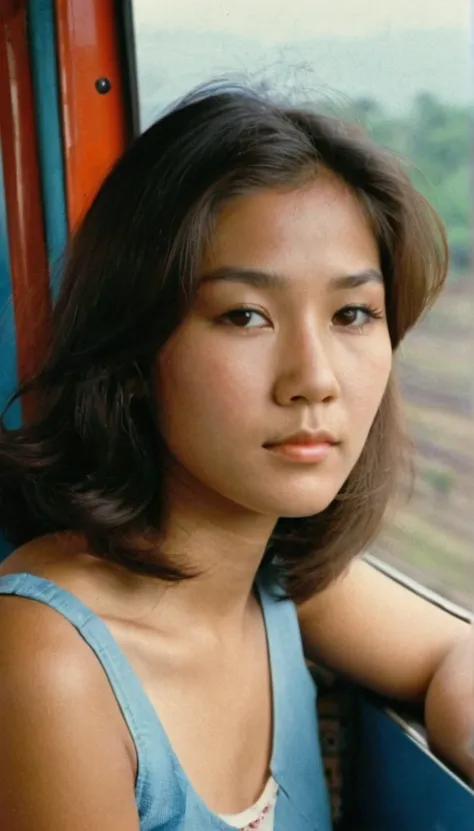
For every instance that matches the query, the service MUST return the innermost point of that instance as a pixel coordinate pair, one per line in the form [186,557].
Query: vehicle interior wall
[8,373]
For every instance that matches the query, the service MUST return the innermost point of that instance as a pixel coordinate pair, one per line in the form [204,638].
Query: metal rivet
[103,85]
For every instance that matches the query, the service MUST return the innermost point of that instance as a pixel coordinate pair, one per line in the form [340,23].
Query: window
[402,68]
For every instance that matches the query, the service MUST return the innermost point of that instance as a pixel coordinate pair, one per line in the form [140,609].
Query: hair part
[92,460]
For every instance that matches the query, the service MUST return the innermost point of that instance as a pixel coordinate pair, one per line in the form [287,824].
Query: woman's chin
[304,512]
[299,506]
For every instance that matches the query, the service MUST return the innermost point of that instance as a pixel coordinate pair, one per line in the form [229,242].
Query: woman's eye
[355,317]
[245,318]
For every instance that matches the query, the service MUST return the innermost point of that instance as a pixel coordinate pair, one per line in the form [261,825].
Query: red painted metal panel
[28,258]
[94,124]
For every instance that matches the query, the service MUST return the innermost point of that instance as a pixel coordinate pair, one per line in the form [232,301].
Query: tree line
[435,139]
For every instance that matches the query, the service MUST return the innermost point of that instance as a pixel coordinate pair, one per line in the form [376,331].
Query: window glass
[401,68]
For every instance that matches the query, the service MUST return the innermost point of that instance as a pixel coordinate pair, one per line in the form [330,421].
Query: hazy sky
[386,49]
[274,20]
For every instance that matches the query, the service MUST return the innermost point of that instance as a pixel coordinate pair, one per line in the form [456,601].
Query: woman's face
[287,336]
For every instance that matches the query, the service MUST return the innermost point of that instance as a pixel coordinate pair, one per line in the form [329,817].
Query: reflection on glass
[402,70]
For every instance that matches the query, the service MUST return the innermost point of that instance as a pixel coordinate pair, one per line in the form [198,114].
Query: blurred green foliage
[436,140]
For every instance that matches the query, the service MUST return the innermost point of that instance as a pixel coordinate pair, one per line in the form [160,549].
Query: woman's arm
[64,762]
[449,708]
[385,637]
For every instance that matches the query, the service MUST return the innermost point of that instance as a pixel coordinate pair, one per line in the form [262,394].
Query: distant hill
[391,67]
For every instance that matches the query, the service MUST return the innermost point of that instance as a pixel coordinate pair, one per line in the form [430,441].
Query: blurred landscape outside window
[403,69]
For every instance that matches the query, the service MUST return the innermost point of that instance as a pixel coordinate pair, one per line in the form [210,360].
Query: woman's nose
[306,371]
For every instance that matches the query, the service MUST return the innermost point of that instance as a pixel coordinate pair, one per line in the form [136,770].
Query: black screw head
[103,85]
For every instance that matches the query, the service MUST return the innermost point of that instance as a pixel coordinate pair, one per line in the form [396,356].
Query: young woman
[216,439]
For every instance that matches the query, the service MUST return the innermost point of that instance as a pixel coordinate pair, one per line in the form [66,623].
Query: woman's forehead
[282,229]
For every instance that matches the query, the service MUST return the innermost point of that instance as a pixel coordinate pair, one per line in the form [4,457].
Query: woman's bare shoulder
[41,649]
[64,761]
[64,560]
[37,636]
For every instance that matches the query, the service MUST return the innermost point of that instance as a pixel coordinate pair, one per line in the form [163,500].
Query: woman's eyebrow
[352,281]
[272,280]
[251,276]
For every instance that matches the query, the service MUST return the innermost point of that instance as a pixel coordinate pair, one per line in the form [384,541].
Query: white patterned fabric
[261,815]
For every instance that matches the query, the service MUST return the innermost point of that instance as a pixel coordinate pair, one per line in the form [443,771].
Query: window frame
[418,588]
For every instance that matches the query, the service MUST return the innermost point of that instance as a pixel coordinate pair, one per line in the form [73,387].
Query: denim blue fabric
[165,798]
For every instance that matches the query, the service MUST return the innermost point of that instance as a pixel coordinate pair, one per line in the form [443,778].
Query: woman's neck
[224,543]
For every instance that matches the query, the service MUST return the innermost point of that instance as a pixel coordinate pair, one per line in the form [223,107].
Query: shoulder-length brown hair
[92,459]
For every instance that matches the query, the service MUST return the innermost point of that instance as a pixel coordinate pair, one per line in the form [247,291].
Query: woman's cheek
[216,377]
[364,384]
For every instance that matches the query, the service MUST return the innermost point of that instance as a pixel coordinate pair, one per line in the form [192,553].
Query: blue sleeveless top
[165,798]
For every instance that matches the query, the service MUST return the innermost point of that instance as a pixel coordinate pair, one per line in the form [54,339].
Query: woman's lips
[305,453]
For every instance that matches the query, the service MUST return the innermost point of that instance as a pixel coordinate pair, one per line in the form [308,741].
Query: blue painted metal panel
[42,36]
[42,42]
[8,365]
[399,785]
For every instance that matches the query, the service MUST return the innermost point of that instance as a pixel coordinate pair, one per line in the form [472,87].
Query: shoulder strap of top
[155,760]
[296,760]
